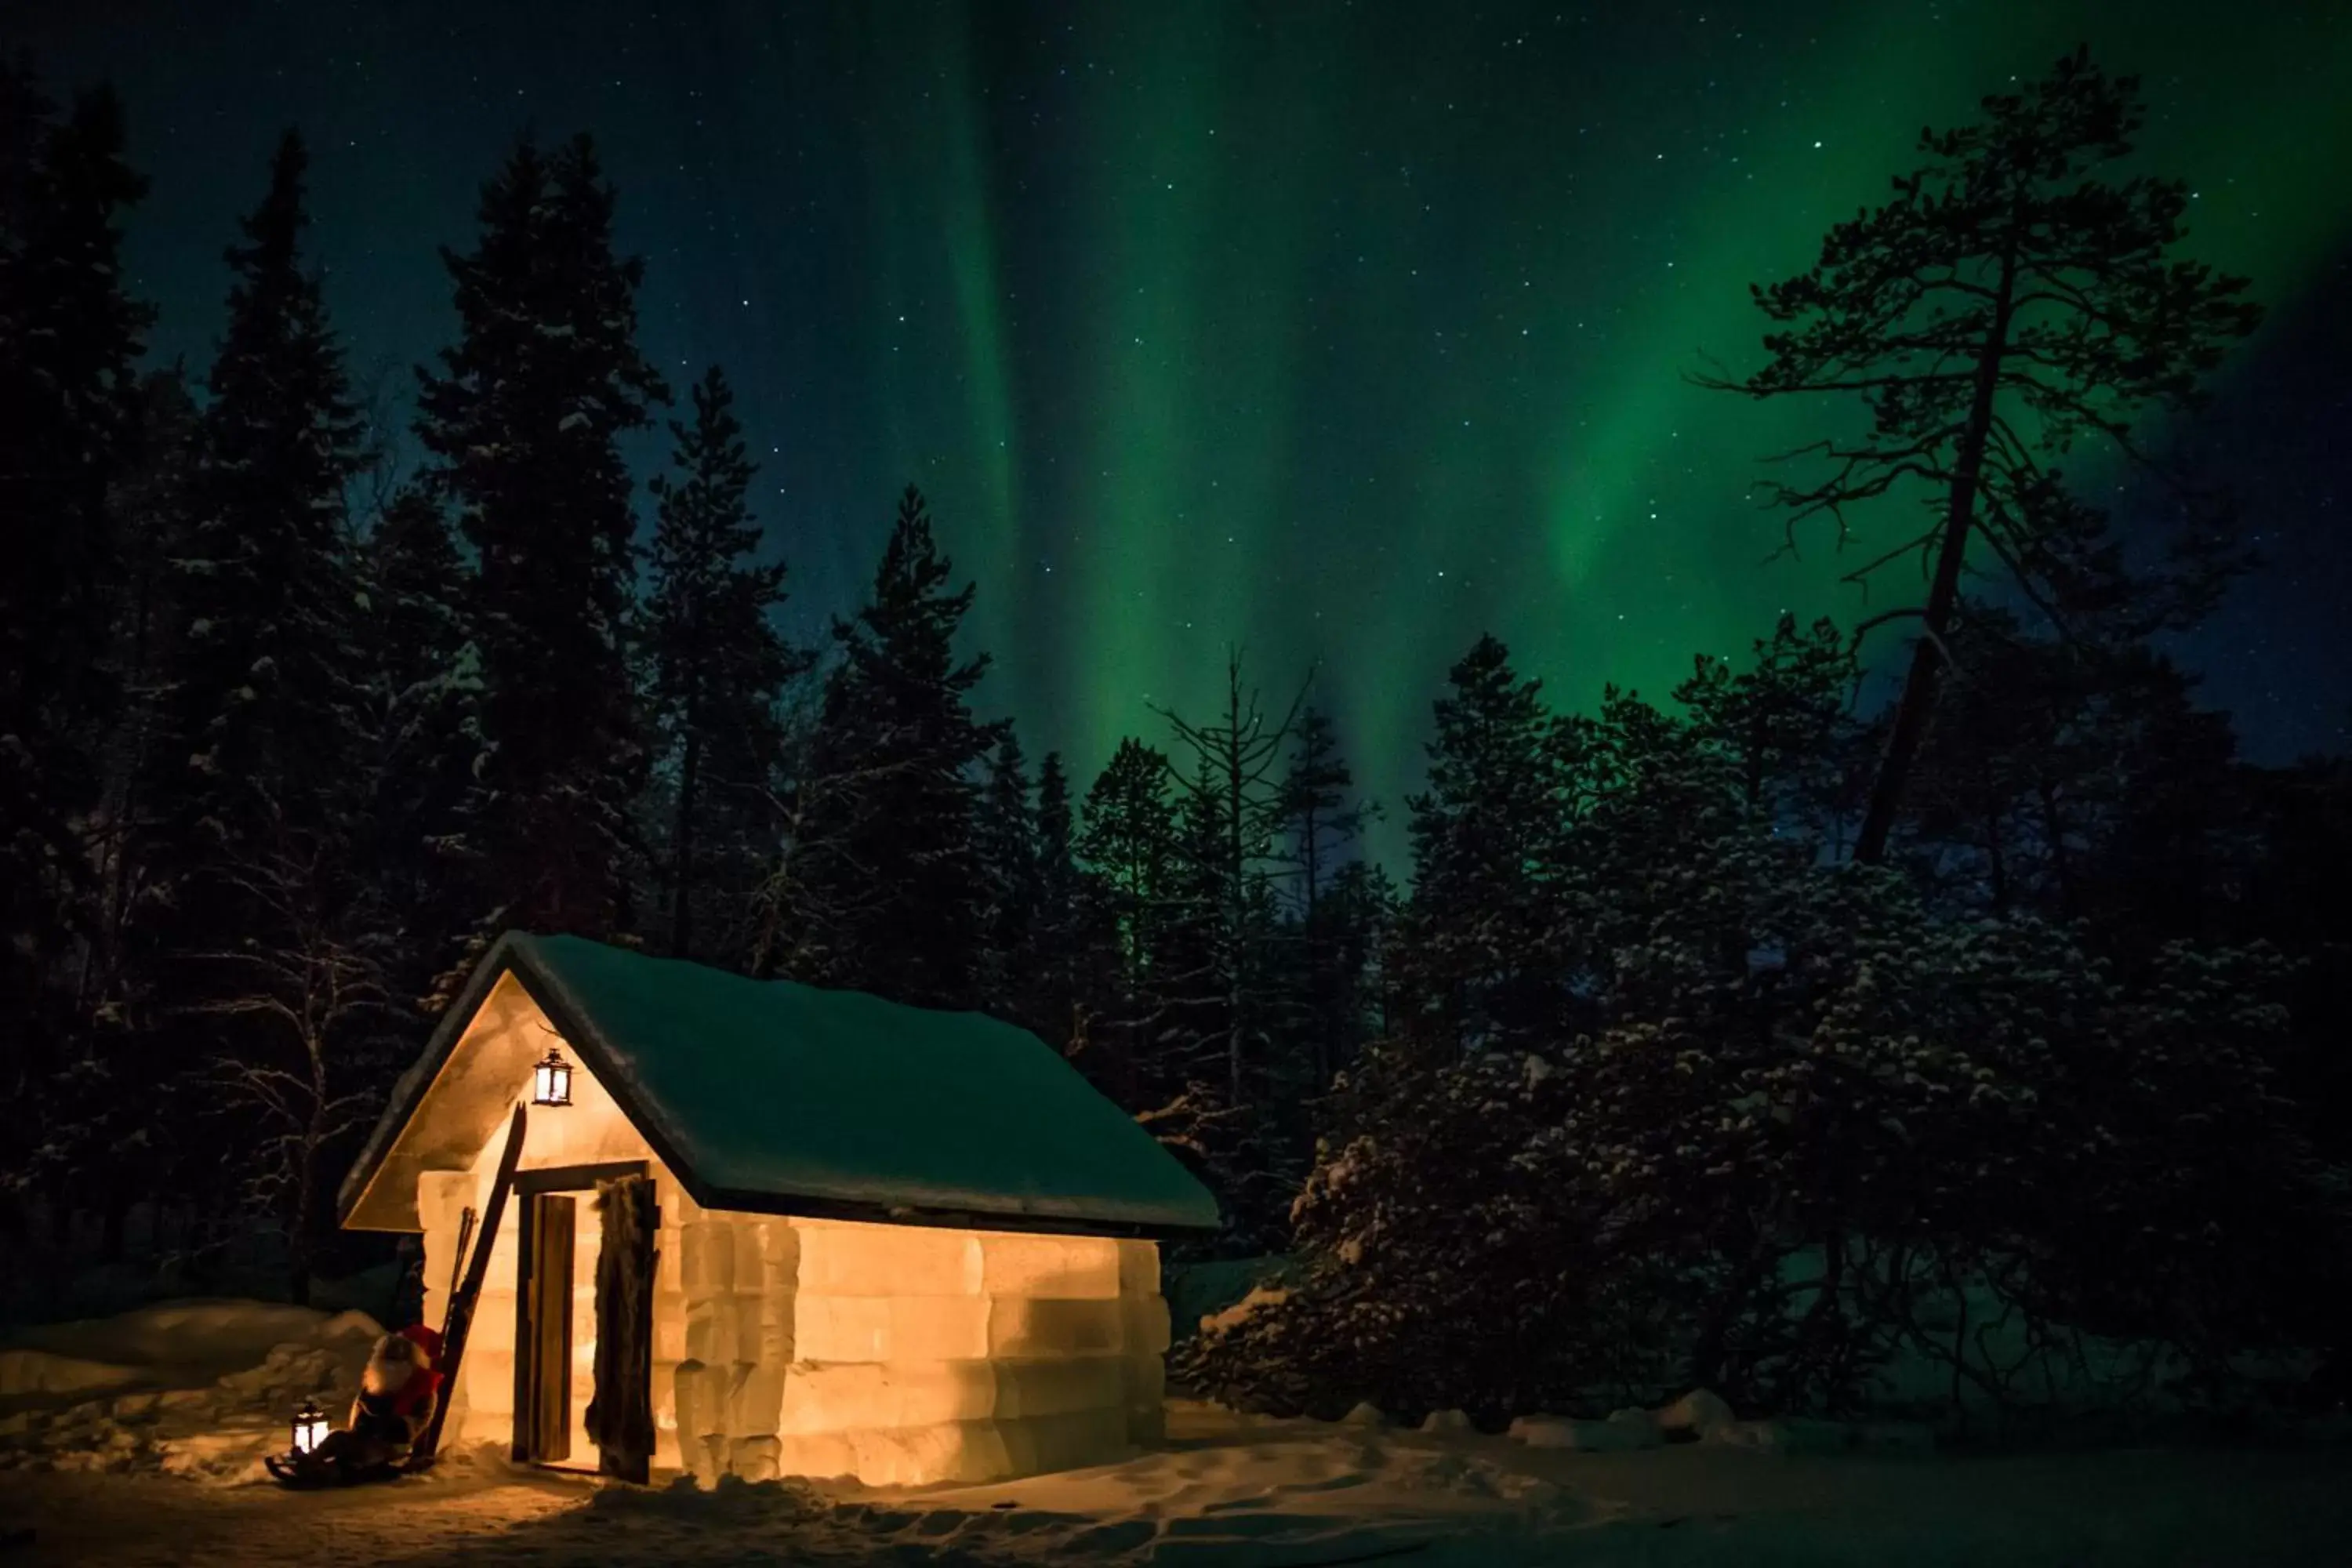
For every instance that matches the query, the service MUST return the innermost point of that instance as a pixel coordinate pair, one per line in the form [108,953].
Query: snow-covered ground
[199,1389]
[110,1468]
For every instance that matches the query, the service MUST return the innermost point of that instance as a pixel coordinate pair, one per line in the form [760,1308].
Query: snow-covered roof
[776,1097]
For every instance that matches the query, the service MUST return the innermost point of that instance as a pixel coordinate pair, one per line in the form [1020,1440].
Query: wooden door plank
[551,1341]
[520,1431]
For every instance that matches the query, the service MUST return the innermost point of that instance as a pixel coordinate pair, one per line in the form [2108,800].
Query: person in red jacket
[398,1392]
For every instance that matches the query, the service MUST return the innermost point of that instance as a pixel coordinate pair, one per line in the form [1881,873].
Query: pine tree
[2073,780]
[1126,848]
[718,668]
[1479,963]
[144,767]
[125,974]
[1060,930]
[2003,306]
[69,337]
[881,888]
[1358,911]
[1319,821]
[267,683]
[1126,844]
[424,683]
[1228,1047]
[1785,720]
[1317,813]
[1237,804]
[276,942]
[26,113]
[1005,832]
[523,418]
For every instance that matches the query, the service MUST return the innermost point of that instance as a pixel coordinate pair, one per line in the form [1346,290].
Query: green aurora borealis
[1351,336]
[1340,332]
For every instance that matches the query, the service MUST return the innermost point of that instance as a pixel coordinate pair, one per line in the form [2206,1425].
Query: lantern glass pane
[552,1081]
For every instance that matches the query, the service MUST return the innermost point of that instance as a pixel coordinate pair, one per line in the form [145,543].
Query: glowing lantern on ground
[309,1428]
[552,1081]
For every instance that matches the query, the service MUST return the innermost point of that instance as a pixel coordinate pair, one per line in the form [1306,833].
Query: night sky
[1340,331]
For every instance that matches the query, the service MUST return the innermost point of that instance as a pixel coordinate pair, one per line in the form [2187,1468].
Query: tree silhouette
[523,418]
[2000,308]
[719,664]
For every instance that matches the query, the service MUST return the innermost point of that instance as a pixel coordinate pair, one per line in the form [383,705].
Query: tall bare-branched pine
[2005,307]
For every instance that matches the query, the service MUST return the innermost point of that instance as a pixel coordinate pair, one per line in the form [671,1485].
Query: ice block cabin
[766,1228]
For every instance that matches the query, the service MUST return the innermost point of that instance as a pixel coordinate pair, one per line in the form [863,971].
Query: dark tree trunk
[1755,779]
[1918,699]
[2053,828]
[1996,857]
[1234,896]
[681,899]
[298,1233]
[1318,986]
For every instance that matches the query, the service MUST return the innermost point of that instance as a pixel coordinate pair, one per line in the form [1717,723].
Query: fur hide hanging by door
[621,1414]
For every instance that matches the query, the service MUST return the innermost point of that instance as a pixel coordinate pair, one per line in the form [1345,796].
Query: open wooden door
[621,1415]
[547,1279]
[542,1403]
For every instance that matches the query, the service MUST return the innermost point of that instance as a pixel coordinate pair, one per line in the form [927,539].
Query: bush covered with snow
[1720,1113]
[1201,1288]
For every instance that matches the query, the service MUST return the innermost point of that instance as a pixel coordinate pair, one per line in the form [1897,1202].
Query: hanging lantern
[552,1081]
[309,1428]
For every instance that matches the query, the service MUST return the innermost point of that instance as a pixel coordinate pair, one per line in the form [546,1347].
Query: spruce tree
[1060,930]
[423,685]
[523,418]
[69,338]
[1126,848]
[1478,963]
[1320,821]
[127,976]
[1785,719]
[882,887]
[1359,913]
[145,768]
[70,335]
[2076,782]
[1007,834]
[267,591]
[276,941]
[1127,845]
[718,668]
[2002,307]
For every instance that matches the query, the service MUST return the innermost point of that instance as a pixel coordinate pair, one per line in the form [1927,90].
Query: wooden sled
[297,1472]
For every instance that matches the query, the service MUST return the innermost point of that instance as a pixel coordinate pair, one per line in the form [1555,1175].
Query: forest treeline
[1716,1039]
[292,734]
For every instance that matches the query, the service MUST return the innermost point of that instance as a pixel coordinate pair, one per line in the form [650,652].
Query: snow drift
[193,1388]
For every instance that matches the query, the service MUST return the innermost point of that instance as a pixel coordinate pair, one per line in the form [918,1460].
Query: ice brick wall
[902,1354]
